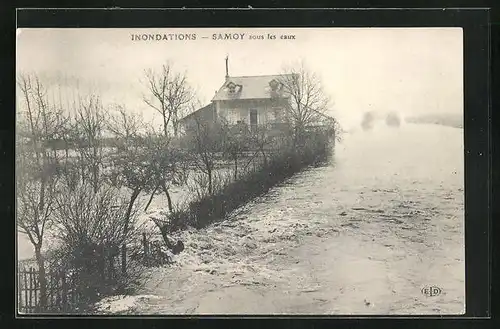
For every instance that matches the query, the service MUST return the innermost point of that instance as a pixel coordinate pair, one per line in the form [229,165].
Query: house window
[254,119]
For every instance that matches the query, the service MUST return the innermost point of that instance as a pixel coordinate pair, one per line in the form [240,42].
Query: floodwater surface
[363,234]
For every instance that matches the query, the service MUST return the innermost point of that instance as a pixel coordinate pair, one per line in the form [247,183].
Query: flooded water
[361,235]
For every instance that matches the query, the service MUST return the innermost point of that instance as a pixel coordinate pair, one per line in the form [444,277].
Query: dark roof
[252,87]
[199,111]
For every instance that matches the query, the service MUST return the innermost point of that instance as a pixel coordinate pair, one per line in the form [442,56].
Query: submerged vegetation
[368,121]
[393,120]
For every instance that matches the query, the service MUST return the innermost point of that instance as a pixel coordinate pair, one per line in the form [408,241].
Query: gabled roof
[252,87]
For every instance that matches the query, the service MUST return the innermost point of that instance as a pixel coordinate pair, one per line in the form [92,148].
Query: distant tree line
[444,119]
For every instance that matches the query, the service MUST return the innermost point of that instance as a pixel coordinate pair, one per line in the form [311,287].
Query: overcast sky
[417,70]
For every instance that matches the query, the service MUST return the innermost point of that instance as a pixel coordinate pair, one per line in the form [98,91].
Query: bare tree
[130,162]
[261,139]
[306,97]
[89,127]
[206,145]
[143,161]
[124,125]
[130,165]
[234,142]
[91,229]
[169,95]
[169,164]
[36,167]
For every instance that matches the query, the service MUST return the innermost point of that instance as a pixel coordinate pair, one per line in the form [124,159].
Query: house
[251,101]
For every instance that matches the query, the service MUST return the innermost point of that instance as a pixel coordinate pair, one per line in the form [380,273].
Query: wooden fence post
[48,280]
[31,289]
[26,288]
[35,281]
[20,291]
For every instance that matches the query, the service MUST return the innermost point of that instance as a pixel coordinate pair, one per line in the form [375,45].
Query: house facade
[252,101]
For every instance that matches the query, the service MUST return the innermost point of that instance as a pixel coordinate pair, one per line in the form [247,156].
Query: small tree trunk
[95,169]
[145,246]
[133,197]
[42,194]
[175,124]
[82,171]
[151,197]
[167,241]
[165,125]
[169,199]
[235,167]
[41,278]
[124,258]
[210,187]
[164,234]
[264,156]
[95,182]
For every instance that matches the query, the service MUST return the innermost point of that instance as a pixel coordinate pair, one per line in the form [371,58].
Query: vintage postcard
[269,171]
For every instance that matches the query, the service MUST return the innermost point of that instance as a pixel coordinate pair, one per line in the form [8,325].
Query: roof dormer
[275,85]
[233,88]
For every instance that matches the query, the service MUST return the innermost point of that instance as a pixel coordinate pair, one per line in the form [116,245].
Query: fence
[72,287]
[69,285]
[62,293]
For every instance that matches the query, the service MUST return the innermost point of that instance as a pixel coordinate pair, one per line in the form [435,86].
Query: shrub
[91,229]
[228,195]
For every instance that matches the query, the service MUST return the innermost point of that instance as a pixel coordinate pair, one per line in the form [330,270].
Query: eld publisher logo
[431,291]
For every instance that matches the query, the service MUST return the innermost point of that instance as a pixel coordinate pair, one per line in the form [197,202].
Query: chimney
[227,68]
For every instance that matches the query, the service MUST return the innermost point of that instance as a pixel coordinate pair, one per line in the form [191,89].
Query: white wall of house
[233,115]
[235,111]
